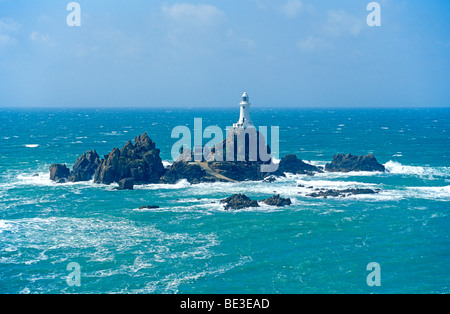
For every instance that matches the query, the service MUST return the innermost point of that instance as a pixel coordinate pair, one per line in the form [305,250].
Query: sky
[284,53]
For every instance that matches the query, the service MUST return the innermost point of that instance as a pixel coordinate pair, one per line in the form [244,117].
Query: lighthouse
[244,119]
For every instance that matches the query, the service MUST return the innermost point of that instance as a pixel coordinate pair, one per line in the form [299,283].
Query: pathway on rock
[211,172]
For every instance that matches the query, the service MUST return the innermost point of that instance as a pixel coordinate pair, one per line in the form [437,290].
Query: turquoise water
[190,244]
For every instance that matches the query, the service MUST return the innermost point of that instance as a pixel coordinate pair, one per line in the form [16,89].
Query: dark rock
[347,163]
[192,172]
[341,193]
[59,173]
[126,184]
[291,164]
[85,167]
[242,145]
[238,201]
[239,170]
[140,161]
[149,207]
[242,156]
[276,200]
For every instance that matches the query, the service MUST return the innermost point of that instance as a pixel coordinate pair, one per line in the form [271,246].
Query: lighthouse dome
[245,97]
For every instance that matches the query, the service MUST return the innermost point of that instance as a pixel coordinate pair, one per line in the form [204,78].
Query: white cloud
[195,15]
[8,27]
[194,28]
[291,8]
[36,36]
[341,23]
[313,44]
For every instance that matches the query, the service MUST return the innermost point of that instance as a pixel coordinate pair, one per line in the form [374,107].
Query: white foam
[5,226]
[42,179]
[397,168]
[45,235]
[179,185]
[31,145]
[171,283]
[441,193]
[276,160]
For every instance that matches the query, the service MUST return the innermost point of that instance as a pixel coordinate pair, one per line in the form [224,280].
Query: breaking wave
[397,168]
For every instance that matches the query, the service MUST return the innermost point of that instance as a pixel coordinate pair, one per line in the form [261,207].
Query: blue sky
[284,53]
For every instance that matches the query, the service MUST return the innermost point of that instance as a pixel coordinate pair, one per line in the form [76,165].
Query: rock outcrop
[276,200]
[59,173]
[341,193]
[239,170]
[242,145]
[149,207]
[348,163]
[140,161]
[238,201]
[85,167]
[291,164]
[190,171]
[241,156]
[126,184]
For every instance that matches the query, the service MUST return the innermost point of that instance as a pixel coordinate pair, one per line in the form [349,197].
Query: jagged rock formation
[347,163]
[140,161]
[85,167]
[276,200]
[59,173]
[291,164]
[238,201]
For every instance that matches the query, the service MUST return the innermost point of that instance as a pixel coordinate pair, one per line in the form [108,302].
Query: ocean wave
[103,239]
[439,193]
[179,185]
[5,226]
[172,282]
[31,145]
[395,167]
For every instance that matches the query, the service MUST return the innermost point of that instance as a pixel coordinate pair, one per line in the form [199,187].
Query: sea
[190,244]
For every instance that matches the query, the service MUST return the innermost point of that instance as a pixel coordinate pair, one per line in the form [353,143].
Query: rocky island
[140,163]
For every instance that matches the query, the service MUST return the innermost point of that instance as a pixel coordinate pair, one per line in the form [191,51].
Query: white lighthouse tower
[244,119]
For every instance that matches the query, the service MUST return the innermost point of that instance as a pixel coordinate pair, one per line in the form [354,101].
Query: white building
[245,120]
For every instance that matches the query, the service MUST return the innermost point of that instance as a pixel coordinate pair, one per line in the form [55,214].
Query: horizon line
[217,107]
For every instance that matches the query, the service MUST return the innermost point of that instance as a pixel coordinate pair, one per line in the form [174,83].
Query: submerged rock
[347,163]
[59,173]
[140,161]
[238,201]
[341,193]
[276,200]
[149,207]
